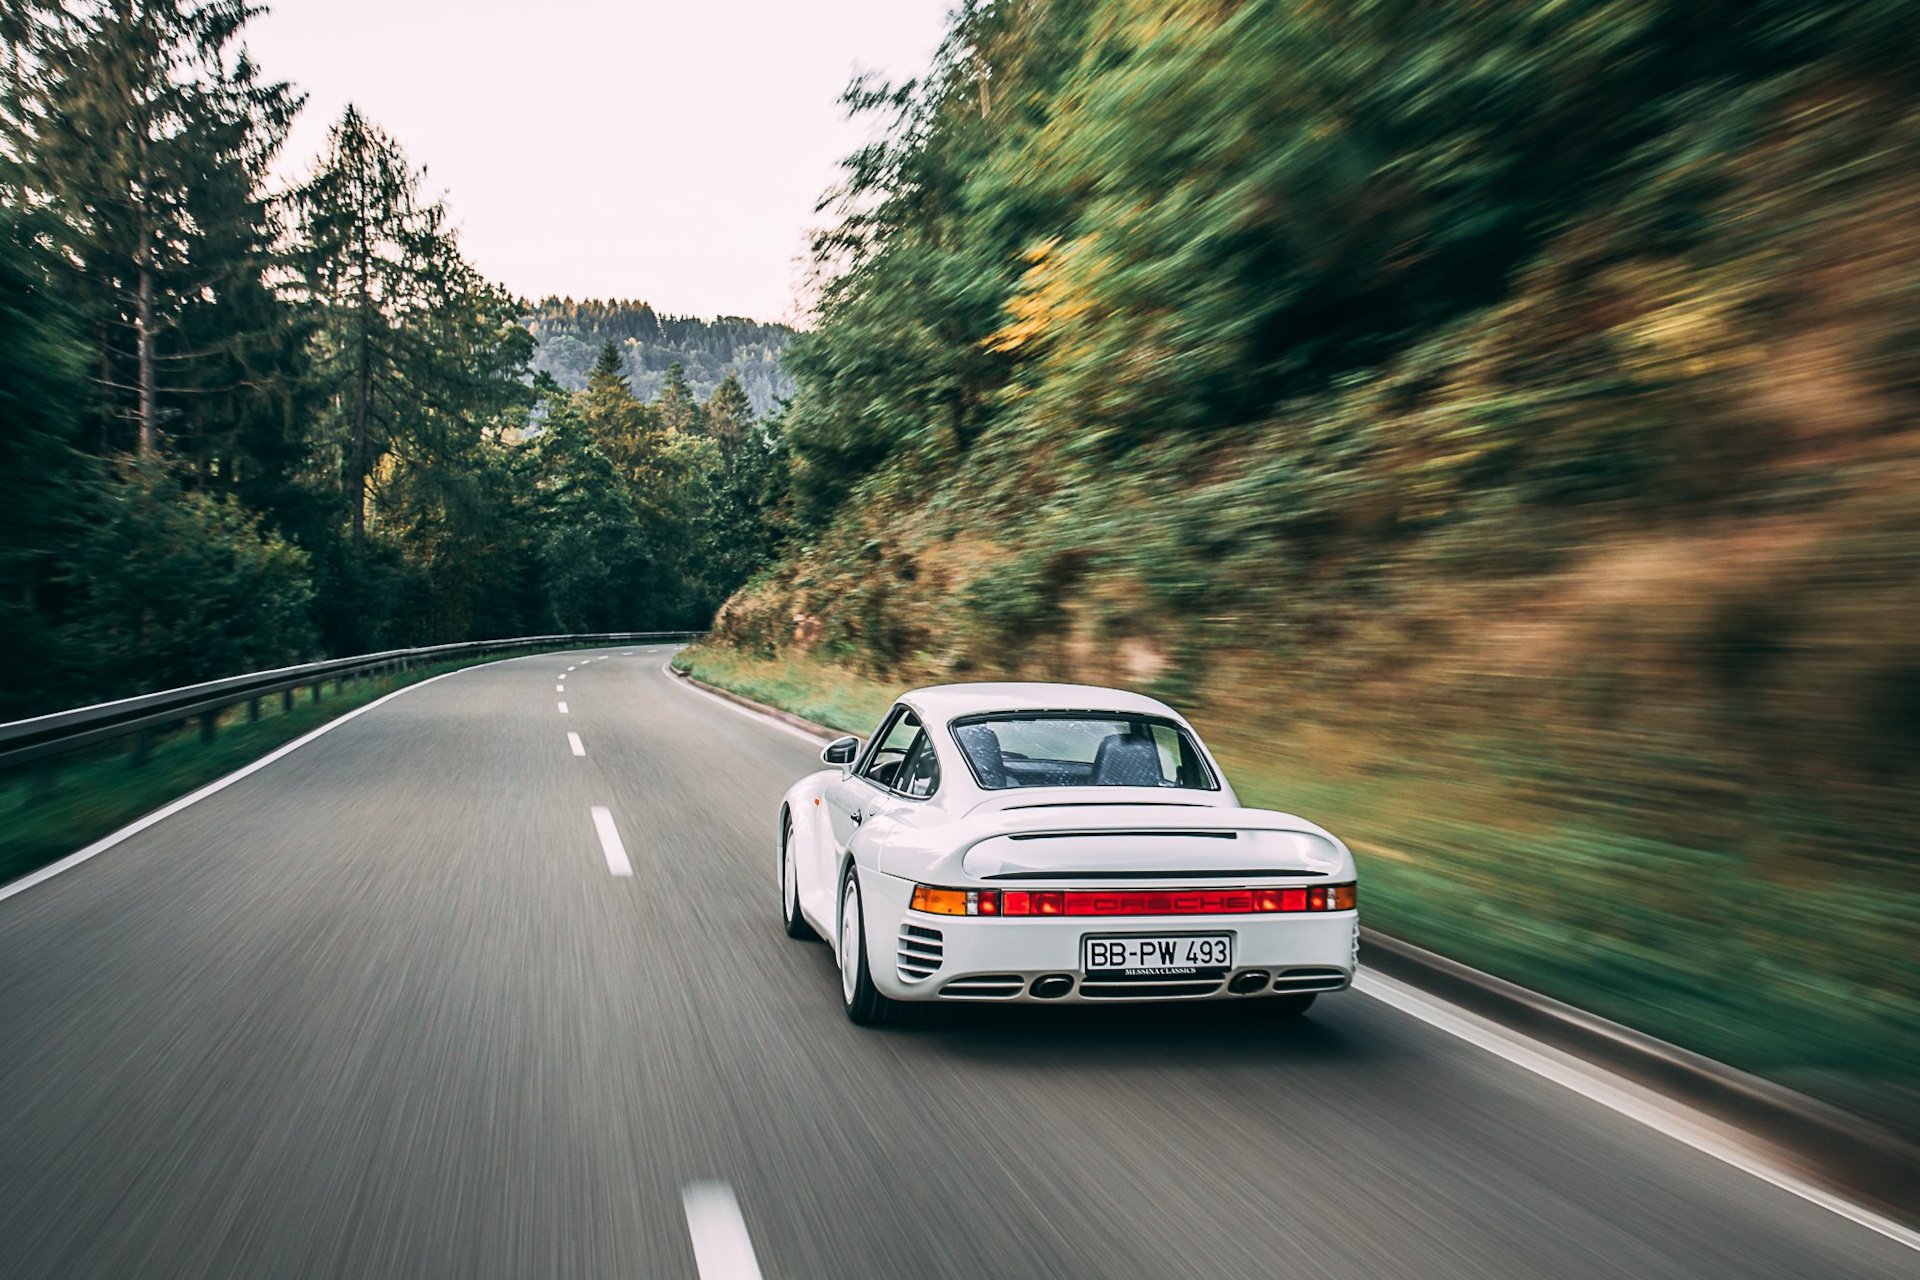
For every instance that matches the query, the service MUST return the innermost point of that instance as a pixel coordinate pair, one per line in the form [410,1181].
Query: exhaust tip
[1052,986]
[1251,980]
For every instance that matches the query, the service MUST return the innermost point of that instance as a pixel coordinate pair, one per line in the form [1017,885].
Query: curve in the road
[386,1009]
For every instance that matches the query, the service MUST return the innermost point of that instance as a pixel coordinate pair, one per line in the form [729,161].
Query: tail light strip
[1132,902]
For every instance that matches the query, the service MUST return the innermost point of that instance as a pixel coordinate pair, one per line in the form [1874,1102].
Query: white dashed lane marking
[722,1249]
[575,745]
[610,841]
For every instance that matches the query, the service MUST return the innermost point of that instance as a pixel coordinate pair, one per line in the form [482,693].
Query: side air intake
[921,952]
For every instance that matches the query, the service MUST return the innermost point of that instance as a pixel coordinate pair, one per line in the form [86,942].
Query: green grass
[1809,984]
[824,694]
[52,808]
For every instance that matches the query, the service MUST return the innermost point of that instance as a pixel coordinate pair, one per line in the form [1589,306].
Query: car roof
[951,701]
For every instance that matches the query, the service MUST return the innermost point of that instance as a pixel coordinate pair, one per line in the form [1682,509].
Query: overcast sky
[608,148]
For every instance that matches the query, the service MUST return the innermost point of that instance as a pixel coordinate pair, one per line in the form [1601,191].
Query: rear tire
[864,1003]
[1286,1008]
[795,924]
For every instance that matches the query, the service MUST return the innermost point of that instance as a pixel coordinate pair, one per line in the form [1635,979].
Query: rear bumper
[916,956]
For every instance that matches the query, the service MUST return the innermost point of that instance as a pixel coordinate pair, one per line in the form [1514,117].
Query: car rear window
[1080,749]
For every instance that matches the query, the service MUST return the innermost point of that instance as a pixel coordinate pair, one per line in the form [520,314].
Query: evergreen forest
[249,425]
[568,336]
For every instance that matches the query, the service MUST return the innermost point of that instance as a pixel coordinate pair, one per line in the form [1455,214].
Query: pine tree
[676,406]
[609,366]
[147,140]
[376,256]
[626,430]
[728,413]
[41,379]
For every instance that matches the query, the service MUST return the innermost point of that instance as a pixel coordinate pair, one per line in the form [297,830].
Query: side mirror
[841,751]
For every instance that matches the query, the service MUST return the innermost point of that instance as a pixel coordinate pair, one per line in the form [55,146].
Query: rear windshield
[1080,749]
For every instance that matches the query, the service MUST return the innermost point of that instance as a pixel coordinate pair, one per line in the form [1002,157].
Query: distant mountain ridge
[568,335]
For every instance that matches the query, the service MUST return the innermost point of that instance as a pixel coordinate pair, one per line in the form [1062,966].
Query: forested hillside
[1496,423]
[248,426]
[568,336]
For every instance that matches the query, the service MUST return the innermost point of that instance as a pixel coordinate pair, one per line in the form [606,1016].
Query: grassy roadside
[1805,983]
[827,695]
[49,810]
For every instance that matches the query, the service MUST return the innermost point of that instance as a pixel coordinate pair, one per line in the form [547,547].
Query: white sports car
[1056,842]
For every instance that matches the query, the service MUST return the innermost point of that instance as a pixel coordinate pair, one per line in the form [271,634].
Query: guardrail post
[253,711]
[286,701]
[317,684]
[209,725]
[338,683]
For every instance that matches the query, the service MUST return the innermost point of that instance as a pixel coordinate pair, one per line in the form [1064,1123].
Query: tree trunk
[362,379]
[144,324]
[143,318]
[359,467]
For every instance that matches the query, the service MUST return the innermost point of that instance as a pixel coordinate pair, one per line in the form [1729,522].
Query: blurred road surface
[383,1009]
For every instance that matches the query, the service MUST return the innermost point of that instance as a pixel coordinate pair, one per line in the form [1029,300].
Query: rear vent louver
[986,986]
[921,951]
[1312,980]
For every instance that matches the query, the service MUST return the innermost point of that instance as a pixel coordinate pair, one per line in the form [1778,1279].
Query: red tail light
[1133,902]
[1018,902]
[1161,902]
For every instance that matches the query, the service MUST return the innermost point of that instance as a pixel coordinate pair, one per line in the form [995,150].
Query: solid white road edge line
[1676,1120]
[1619,1095]
[610,841]
[722,1249]
[575,745]
[105,843]
[748,712]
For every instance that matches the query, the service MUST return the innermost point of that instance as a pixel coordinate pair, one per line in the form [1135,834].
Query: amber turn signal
[956,902]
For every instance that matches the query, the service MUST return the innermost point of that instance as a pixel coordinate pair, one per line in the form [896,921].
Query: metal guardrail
[22,741]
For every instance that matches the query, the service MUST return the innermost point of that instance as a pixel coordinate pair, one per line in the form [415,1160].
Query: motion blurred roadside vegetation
[248,426]
[1494,423]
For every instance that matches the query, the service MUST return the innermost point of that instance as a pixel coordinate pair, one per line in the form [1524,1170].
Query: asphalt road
[382,1009]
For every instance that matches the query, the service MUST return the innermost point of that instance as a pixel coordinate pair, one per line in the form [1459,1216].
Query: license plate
[1157,953]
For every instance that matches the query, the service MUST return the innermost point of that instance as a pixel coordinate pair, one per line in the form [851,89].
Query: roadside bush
[171,587]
